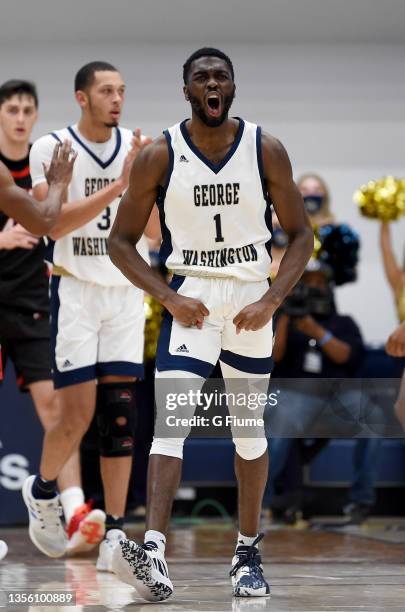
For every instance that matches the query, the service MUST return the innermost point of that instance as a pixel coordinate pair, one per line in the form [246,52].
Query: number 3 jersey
[83,253]
[216,218]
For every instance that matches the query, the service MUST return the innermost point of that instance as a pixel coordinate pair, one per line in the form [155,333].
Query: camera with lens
[304,300]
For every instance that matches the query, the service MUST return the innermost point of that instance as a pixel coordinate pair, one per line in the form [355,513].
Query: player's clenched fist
[254,316]
[187,311]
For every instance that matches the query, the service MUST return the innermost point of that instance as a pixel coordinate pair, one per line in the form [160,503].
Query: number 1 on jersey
[219,237]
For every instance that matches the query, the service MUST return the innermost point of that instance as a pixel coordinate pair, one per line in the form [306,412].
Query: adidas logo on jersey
[182,349]
[67,364]
[183,158]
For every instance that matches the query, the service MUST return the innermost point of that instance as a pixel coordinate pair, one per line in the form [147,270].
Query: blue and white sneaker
[46,530]
[143,567]
[247,572]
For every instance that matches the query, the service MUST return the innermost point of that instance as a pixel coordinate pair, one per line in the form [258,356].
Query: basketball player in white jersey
[212,177]
[97,321]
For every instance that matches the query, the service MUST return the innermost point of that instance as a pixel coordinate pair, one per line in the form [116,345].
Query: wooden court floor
[308,572]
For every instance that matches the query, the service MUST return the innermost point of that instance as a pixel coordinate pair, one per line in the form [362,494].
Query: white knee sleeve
[170,447]
[250,448]
[172,382]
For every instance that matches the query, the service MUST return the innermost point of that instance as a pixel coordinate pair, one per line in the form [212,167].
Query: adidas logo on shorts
[67,364]
[182,349]
[183,158]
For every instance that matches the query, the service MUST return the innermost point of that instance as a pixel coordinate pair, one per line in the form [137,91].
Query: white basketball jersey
[216,218]
[84,251]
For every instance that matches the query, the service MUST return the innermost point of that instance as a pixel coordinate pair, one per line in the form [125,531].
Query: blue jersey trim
[267,214]
[119,368]
[56,137]
[214,167]
[259,152]
[164,360]
[86,373]
[73,377]
[166,247]
[171,159]
[102,164]
[54,308]
[250,365]
[49,249]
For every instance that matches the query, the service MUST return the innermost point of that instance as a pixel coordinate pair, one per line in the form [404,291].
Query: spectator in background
[314,341]
[338,246]
[396,278]
[279,242]
[316,197]
[24,279]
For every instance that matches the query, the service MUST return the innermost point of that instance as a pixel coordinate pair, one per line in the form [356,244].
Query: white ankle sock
[71,498]
[156,537]
[245,540]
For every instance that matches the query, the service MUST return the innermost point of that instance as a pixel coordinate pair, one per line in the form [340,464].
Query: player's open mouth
[214,104]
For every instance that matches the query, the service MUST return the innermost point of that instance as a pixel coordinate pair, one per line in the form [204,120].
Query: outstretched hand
[61,167]
[138,142]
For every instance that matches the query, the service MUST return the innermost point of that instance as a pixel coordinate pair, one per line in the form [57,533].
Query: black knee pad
[116,419]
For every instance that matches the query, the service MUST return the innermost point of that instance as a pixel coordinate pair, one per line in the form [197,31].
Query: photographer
[313,341]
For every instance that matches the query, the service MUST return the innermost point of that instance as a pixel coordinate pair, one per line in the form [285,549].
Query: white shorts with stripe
[95,330]
[197,350]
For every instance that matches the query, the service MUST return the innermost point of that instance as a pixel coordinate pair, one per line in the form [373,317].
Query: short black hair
[206,52]
[85,76]
[18,87]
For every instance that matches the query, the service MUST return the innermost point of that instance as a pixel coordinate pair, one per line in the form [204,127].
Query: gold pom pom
[153,315]
[317,242]
[383,199]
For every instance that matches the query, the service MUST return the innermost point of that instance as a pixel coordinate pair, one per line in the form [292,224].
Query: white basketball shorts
[95,331]
[197,350]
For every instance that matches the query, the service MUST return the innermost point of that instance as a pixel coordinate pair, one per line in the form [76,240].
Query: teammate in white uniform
[97,320]
[212,177]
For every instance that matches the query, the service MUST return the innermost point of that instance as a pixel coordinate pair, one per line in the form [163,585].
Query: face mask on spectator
[313,203]
[279,238]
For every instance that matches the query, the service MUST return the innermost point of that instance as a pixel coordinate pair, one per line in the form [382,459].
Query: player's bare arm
[393,272]
[289,207]
[78,213]
[147,176]
[19,205]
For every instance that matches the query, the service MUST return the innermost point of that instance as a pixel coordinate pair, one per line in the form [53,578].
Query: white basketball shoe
[143,567]
[106,550]
[45,526]
[247,572]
